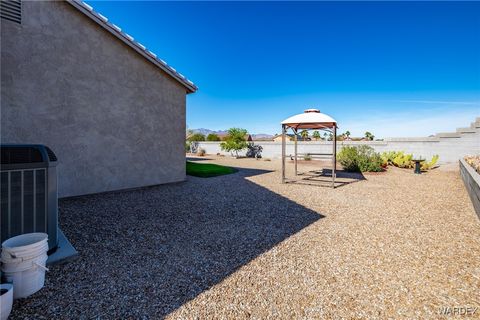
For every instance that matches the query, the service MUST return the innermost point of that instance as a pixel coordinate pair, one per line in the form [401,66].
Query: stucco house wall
[114,119]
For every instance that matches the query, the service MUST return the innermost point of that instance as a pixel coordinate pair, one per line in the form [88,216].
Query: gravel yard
[393,245]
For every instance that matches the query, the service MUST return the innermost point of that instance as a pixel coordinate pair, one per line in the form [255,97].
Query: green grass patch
[207,170]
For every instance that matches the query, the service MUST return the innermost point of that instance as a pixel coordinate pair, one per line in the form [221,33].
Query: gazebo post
[283,152]
[334,158]
[296,140]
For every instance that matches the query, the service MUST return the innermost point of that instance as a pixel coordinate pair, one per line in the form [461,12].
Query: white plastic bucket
[23,262]
[6,301]
[27,281]
[23,265]
[13,256]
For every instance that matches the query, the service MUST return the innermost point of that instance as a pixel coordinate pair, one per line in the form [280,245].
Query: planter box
[471,178]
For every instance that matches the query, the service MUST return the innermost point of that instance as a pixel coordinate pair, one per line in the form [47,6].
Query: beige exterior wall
[114,119]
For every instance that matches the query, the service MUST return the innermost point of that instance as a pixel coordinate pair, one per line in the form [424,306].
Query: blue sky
[392,68]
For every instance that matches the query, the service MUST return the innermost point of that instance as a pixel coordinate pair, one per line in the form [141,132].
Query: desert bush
[403,160]
[348,157]
[431,164]
[254,151]
[196,137]
[362,158]
[388,156]
[201,152]
[307,157]
[187,146]
[368,159]
[267,159]
[474,161]
[213,137]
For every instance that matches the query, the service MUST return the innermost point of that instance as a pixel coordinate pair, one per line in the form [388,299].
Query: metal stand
[296,151]
[334,154]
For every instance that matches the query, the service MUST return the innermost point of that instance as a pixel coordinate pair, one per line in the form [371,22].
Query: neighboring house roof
[130,41]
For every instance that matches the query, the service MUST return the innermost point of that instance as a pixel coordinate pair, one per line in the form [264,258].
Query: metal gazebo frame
[311,119]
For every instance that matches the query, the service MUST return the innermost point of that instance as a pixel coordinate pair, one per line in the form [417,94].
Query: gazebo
[308,120]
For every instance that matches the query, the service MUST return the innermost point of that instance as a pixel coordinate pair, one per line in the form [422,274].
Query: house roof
[135,45]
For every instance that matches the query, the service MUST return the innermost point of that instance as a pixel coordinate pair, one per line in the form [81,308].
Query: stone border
[471,179]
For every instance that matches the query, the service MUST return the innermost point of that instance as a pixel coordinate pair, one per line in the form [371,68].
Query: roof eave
[129,41]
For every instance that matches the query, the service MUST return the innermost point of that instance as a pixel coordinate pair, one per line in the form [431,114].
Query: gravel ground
[393,245]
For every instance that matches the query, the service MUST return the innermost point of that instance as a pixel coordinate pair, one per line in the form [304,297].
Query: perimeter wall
[449,146]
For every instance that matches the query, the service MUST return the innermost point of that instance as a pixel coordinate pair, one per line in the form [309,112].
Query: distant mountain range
[255,136]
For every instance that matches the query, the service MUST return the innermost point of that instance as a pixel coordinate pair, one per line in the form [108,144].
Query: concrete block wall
[449,146]
[471,179]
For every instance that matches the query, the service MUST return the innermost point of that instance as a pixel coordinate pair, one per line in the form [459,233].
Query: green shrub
[362,158]
[348,158]
[307,157]
[213,137]
[196,137]
[369,160]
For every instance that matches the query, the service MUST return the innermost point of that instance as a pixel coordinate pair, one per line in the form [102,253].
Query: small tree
[304,134]
[316,135]
[213,137]
[235,140]
[325,136]
[369,136]
[196,137]
[347,134]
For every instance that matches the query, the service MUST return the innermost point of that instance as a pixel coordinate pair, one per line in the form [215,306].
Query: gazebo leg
[283,153]
[334,167]
[296,139]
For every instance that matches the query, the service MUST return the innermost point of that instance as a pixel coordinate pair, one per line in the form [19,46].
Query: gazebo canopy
[310,119]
